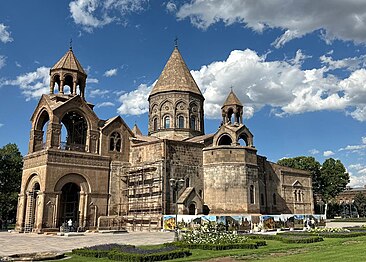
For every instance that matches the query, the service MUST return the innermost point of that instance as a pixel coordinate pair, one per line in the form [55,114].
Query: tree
[10,179]
[360,203]
[329,179]
[307,163]
[333,179]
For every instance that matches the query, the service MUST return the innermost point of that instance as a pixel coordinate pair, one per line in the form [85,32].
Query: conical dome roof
[176,77]
[232,99]
[69,62]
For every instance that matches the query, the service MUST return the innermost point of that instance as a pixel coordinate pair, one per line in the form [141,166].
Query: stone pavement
[16,243]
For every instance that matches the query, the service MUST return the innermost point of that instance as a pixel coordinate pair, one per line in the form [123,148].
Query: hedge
[251,245]
[327,234]
[289,239]
[130,257]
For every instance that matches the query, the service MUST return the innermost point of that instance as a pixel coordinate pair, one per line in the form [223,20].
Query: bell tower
[232,110]
[68,72]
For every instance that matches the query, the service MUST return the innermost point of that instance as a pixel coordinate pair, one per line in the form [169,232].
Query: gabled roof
[69,62]
[176,77]
[136,130]
[232,99]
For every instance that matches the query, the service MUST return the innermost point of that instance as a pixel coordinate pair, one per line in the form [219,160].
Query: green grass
[331,249]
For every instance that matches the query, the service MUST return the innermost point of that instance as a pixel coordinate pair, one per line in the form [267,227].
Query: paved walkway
[17,243]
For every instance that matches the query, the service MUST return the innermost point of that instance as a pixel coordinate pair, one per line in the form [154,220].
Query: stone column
[85,210]
[39,211]
[56,209]
[74,88]
[81,208]
[52,87]
[53,135]
[61,87]
[92,142]
[21,212]
[36,140]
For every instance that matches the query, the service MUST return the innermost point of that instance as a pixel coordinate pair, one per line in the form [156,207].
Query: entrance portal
[192,209]
[69,204]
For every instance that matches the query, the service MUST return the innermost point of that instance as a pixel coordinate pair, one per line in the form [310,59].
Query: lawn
[336,249]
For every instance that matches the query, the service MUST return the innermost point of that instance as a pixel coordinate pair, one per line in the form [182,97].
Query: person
[69,224]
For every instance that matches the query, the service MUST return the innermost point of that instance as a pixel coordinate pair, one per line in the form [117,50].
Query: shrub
[131,253]
[290,238]
[246,245]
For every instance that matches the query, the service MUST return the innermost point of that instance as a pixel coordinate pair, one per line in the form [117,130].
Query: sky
[297,66]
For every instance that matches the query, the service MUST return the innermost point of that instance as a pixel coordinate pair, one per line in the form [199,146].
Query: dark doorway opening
[69,204]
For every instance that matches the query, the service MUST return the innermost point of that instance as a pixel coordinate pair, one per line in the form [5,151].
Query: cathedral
[100,173]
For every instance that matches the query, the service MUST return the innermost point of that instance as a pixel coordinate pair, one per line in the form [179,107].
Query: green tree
[10,179]
[307,163]
[333,179]
[360,203]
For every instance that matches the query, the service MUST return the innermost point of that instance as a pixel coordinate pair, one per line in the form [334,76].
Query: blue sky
[297,66]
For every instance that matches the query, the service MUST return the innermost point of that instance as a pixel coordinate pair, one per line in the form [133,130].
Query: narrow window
[251,194]
[167,122]
[180,122]
[274,199]
[295,194]
[193,122]
[115,142]
[299,198]
[155,124]
[187,182]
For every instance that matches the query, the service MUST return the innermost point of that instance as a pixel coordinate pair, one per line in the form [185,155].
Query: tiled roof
[175,76]
[232,99]
[69,61]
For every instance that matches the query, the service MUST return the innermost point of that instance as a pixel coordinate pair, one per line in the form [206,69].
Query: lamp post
[175,185]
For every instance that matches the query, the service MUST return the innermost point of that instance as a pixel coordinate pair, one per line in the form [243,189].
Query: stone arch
[180,105]
[167,121]
[225,139]
[77,179]
[115,141]
[166,106]
[77,126]
[243,139]
[40,129]
[155,124]
[180,121]
[192,208]
[32,188]
[69,81]
[154,109]
[56,79]
[231,115]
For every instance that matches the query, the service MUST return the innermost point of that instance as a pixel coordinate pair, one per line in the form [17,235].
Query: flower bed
[132,253]
[214,237]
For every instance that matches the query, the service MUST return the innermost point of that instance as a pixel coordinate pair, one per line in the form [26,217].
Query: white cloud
[314,151]
[98,93]
[343,20]
[2,61]
[171,7]
[33,84]
[353,147]
[5,34]
[105,104]
[1,125]
[328,153]
[18,64]
[356,181]
[135,102]
[282,85]
[111,72]
[92,14]
[363,140]
[92,81]
[356,166]
[349,63]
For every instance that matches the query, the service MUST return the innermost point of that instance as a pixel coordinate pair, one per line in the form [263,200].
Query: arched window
[115,142]
[251,194]
[274,198]
[299,196]
[225,140]
[180,121]
[155,124]
[193,122]
[295,194]
[167,122]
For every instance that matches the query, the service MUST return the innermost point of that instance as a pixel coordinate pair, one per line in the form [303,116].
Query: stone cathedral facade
[100,173]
